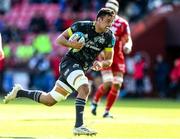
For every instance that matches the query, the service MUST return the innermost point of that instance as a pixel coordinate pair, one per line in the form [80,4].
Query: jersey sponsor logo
[109,45]
[91,45]
[94,48]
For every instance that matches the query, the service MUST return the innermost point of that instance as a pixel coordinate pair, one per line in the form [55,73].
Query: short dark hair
[105,11]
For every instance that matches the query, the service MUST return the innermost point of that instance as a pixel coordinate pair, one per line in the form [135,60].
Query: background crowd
[29,29]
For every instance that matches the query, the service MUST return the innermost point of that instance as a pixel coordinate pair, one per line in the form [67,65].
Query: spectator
[2,23]
[55,59]
[139,69]
[41,1]
[42,43]
[6,34]
[59,23]
[12,33]
[38,23]
[175,80]
[5,6]
[69,18]
[161,73]
[40,71]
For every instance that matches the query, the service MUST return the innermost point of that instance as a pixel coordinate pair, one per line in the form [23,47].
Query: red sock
[111,98]
[99,93]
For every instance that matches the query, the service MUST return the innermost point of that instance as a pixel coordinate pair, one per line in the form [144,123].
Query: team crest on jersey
[99,39]
[85,66]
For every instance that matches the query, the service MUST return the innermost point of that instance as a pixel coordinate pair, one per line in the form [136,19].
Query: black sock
[80,103]
[32,94]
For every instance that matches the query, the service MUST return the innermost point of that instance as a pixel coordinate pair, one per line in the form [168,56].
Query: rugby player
[80,58]
[113,76]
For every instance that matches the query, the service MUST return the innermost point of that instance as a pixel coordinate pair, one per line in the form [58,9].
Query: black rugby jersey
[94,43]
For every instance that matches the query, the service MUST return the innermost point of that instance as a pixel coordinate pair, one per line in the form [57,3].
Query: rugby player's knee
[117,83]
[47,100]
[107,86]
[50,103]
[84,89]
[117,86]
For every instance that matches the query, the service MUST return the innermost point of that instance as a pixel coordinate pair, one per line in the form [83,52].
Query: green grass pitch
[134,119]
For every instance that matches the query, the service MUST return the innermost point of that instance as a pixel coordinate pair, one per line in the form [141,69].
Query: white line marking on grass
[163,121]
[85,137]
[79,137]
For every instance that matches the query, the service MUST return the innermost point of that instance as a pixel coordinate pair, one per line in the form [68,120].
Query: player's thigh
[107,78]
[107,75]
[118,74]
[73,74]
[118,79]
[61,90]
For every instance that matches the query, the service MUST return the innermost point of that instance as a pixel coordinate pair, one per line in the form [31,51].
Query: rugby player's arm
[108,57]
[105,62]
[63,40]
[127,41]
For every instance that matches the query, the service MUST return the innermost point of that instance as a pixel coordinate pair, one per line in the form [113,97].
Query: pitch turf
[134,119]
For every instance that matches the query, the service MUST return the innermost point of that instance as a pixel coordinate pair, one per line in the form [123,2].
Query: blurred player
[98,37]
[113,76]
[1,50]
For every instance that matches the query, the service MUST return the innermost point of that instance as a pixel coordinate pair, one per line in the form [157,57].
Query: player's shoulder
[109,35]
[121,19]
[82,26]
[84,23]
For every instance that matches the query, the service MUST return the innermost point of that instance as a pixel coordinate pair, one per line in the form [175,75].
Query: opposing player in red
[113,76]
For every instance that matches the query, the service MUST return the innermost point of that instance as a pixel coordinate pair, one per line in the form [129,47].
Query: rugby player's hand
[97,65]
[127,50]
[76,45]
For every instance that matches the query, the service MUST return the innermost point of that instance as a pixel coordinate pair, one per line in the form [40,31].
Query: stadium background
[29,29]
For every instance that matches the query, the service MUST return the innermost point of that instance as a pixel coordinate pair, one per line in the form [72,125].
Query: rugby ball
[79,36]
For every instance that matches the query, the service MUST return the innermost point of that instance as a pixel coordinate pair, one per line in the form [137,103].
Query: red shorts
[118,64]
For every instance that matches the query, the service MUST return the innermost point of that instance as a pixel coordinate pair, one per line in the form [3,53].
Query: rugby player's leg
[58,93]
[79,82]
[80,129]
[103,89]
[113,93]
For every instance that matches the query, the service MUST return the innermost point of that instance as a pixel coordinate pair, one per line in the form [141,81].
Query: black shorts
[67,66]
